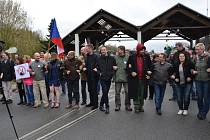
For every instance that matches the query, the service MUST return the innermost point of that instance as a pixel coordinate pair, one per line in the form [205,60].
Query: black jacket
[106,64]
[175,59]
[132,67]
[59,67]
[8,70]
[187,69]
[91,63]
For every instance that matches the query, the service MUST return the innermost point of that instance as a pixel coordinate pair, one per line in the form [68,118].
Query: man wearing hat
[139,70]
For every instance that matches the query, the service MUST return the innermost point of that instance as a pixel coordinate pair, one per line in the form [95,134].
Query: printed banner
[21,71]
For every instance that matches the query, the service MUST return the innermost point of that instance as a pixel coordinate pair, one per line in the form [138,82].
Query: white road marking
[70,124]
[42,127]
[63,127]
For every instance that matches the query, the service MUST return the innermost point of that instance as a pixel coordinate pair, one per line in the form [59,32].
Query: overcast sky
[71,13]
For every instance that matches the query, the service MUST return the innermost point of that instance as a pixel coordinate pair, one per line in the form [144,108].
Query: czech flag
[55,38]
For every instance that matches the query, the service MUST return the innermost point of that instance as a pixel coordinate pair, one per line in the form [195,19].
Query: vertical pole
[77,45]
[191,44]
[206,42]
[10,115]
[207,9]
[139,39]
[207,37]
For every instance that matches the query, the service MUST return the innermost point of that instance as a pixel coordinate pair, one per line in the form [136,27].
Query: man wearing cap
[139,70]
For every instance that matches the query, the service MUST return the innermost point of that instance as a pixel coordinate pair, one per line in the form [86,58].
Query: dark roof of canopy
[179,19]
[98,33]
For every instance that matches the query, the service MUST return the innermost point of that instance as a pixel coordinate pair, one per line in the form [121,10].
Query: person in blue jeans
[174,92]
[202,80]
[107,65]
[161,73]
[183,78]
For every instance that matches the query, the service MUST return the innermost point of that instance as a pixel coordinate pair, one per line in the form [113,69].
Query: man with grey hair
[202,80]
[38,73]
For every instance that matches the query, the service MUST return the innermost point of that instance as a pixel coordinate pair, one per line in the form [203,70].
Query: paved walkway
[84,124]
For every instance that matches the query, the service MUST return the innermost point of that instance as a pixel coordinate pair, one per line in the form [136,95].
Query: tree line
[16,31]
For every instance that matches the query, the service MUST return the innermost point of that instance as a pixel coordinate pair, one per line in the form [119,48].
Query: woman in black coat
[183,79]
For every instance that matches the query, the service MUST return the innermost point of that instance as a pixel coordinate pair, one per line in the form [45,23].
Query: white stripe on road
[42,127]
[70,124]
[48,124]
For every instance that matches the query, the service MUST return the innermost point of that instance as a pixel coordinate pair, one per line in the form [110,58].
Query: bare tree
[15,28]
[11,14]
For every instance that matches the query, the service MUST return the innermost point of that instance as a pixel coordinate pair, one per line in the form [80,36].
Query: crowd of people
[187,71]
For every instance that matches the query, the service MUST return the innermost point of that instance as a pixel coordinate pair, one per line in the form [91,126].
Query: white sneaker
[180,112]
[185,112]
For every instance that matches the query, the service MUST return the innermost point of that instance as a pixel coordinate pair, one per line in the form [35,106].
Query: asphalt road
[84,124]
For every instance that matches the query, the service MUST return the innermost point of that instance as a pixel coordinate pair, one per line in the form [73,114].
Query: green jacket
[202,63]
[121,73]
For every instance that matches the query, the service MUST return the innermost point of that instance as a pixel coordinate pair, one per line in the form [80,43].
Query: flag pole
[207,9]
[48,46]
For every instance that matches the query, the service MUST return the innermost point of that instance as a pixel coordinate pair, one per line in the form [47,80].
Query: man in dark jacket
[7,74]
[138,67]
[91,68]
[72,70]
[107,64]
